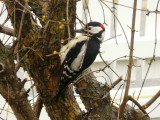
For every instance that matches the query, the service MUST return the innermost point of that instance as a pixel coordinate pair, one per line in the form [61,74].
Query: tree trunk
[11,88]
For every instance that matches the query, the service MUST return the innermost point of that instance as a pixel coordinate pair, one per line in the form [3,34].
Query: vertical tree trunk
[46,71]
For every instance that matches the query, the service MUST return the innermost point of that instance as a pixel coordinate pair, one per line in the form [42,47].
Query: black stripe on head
[93,24]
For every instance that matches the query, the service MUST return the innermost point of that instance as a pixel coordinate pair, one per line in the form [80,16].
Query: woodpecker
[79,53]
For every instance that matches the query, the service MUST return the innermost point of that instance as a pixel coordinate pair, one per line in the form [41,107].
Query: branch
[118,21]
[139,106]
[154,52]
[125,99]
[18,39]
[69,36]
[12,89]
[116,82]
[97,101]
[6,30]
[38,107]
[94,96]
[143,10]
[46,74]
[15,13]
[151,100]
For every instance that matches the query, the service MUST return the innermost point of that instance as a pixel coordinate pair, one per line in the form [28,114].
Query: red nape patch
[101,25]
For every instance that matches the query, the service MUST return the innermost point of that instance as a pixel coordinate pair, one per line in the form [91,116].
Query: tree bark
[12,89]
[96,98]
[36,43]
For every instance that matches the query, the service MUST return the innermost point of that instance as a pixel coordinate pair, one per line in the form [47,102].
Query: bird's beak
[79,31]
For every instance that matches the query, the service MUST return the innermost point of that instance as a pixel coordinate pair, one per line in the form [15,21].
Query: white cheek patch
[95,30]
[102,36]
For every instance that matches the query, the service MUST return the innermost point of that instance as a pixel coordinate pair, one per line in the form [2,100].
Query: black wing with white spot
[68,74]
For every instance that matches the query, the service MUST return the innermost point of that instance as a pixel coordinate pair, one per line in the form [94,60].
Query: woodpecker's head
[93,29]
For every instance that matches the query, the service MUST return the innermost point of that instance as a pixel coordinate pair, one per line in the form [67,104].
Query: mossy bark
[36,43]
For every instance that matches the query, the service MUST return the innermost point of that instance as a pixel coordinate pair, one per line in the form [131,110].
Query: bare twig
[154,108]
[116,94]
[114,22]
[30,48]
[3,107]
[2,118]
[108,76]
[5,21]
[124,57]
[125,99]
[40,18]
[112,105]
[144,10]
[154,52]
[6,111]
[2,10]
[111,38]
[151,100]
[69,35]
[18,38]
[118,22]
[85,7]
[116,82]
[79,20]
[103,13]
[85,16]
[108,65]
[112,86]
[6,30]
[7,40]
[139,106]
[121,97]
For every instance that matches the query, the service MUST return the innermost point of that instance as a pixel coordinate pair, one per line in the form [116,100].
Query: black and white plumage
[80,53]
